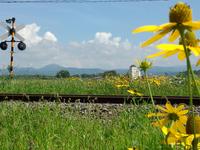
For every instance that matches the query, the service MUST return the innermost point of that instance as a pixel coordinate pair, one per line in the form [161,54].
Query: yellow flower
[122,85]
[175,138]
[133,92]
[144,65]
[180,17]
[155,80]
[121,82]
[173,115]
[134,148]
[171,49]
[73,78]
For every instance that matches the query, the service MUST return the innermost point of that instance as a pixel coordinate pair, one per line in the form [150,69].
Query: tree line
[66,74]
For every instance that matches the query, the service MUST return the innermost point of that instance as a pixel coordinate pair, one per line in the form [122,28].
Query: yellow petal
[194,25]
[156,54]
[170,53]
[161,108]
[181,56]
[171,139]
[166,26]
[169,47]
[183,112]
[179,126]
[169,107]
[197,136]
[180,107]
[134,148]
[189,140]
[139,94]
[156,114]
[183,119]
[155,37]
[160,123]
[195,50]
[131,91]
[149,28]
[173,130]
[165,130]
[174,36]
[198,63]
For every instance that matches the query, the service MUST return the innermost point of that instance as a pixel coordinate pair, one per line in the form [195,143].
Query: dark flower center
[173,116]
[180,13]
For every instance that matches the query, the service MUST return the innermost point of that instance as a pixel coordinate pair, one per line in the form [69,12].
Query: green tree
[110,73]
[63,74]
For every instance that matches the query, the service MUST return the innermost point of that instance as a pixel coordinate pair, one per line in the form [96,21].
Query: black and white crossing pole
[12,31]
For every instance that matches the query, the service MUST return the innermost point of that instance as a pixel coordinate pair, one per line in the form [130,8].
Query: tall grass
[53,126]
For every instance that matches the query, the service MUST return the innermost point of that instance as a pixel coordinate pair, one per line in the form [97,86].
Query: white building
[134,72]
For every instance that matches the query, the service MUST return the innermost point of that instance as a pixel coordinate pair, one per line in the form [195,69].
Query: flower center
[173,116]
[180,13]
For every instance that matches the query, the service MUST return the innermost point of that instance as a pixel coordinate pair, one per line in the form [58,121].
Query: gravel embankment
[92,109]
[100,110]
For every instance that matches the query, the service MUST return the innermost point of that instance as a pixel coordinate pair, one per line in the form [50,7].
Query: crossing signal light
[3,45]
[21,46]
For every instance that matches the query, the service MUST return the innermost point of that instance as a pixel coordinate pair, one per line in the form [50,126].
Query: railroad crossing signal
[12,31]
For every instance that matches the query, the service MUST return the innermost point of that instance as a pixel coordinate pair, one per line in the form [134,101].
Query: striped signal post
[12,31]
[12,48]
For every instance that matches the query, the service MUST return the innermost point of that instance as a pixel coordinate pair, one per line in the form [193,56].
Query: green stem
[149,88]
[189,72]
[181,31]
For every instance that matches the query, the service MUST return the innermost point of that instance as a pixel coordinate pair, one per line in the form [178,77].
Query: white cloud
[50,37]
[103,37]
[103,51]
[30,33]
[107,39]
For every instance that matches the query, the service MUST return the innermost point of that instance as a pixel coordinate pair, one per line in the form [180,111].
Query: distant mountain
[162,70]
[172,70]
[52,69]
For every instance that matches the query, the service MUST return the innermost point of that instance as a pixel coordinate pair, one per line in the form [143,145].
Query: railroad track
[113,99]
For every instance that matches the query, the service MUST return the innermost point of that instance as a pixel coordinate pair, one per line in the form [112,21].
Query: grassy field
[48,126]
[54,126]
[160,85]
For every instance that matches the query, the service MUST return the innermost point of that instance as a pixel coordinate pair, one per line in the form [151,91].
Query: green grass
[62,86]
[89,86]
[55,126]
[48,126]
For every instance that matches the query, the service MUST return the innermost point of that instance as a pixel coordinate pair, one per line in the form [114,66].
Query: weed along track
[112,99]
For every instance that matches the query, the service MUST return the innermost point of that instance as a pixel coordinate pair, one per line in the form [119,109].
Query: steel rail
[112,99]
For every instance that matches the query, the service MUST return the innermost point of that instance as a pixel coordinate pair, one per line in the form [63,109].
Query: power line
[74,1]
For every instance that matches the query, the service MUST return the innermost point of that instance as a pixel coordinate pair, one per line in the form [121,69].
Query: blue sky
[76,23]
